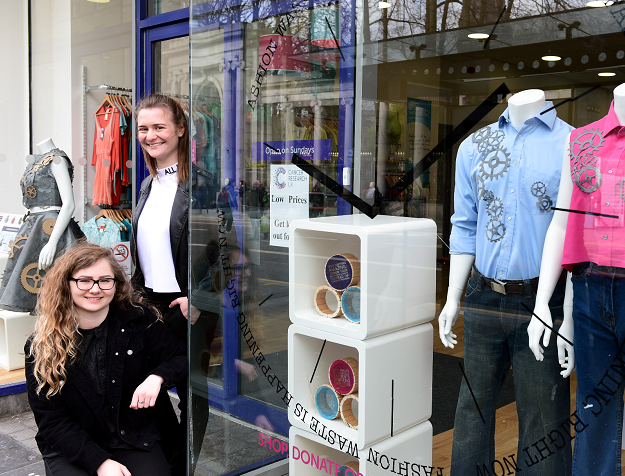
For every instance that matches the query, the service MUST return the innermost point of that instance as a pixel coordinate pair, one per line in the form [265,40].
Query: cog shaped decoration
[495,230]
[539,189]
[495,164]
[544,203]
[493,142]
[495,208]
[487,196]
[590,139]
[621,186]
[14,246]
[31,191]
[588,179]
[48,226]
[479,181]
[32,280]
[481,135]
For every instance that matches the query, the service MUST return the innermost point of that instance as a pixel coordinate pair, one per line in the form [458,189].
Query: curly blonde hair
[54,346]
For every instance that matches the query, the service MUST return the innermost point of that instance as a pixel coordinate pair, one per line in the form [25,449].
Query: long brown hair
[179,118]
[55,345]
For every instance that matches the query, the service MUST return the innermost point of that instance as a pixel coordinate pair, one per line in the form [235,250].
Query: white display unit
[413,445]
[397,266]
[397,365]
[15,327]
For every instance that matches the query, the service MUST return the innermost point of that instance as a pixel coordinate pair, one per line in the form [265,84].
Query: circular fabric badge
[340,272]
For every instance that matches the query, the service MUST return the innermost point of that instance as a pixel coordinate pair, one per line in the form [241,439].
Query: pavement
[19,455]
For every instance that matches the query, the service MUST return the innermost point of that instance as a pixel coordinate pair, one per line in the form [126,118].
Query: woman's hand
[112,468]
[183,302]
[146,393]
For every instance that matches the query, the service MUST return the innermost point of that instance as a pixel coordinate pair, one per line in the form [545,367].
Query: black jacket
[73,423]
[178,233]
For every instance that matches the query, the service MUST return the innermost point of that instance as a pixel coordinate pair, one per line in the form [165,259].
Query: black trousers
[138,462]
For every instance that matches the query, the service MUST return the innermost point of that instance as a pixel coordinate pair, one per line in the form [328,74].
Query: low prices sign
[310,149]
[289,201]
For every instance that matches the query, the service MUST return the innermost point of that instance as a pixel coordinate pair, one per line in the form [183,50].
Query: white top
[153,239]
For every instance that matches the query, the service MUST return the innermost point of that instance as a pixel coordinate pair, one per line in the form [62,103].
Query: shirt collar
[610,121]
[171,170]
[548,118]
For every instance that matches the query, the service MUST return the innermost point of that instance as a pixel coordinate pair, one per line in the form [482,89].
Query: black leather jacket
[178,233]
[73,423]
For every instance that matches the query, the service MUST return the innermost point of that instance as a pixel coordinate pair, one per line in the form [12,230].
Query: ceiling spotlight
[607,74]
[478,36]
[551,58]
[599,3]
[382,5]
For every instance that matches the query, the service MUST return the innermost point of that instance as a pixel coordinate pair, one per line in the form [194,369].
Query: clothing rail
[85,90]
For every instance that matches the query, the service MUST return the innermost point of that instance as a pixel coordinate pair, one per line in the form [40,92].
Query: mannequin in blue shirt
[502,211]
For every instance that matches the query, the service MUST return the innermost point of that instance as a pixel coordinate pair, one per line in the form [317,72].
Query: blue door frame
[176,24]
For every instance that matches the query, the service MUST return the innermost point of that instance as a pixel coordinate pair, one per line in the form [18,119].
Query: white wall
[14,103]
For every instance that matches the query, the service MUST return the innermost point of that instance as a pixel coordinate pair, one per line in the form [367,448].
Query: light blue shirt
[506,183]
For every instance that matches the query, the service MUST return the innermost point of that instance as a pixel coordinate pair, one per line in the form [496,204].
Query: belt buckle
[498,286]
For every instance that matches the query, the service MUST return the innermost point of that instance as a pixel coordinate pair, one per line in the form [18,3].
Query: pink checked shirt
[597,157]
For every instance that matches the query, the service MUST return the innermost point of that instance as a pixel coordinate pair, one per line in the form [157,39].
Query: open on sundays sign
[313,149]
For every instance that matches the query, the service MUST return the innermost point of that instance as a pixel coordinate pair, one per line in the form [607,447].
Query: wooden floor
[7,377]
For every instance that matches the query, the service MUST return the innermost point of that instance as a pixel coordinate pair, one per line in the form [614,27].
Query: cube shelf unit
[413,445]
[397,364]
[398,271]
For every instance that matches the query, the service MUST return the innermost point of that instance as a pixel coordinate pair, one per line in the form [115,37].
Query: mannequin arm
[459,270]
[566,356]
[64,183]
[551,266]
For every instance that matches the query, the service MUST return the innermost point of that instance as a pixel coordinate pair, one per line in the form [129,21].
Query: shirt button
[515,163]
[116,353]
[145,444]
[129,351]
[620,146]
[609,171]
[500,272]
[605,237]
[506,245]
[512,191]
[607,204]
[123,432]
[112,381]
[122,330]
[520,136]
[509,218]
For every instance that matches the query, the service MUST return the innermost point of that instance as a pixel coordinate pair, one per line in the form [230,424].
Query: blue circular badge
[339,272]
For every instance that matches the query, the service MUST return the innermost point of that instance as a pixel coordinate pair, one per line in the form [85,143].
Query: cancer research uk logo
[276,178]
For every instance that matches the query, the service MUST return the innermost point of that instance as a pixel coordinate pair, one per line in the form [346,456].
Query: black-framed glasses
[85,284]
[238,270]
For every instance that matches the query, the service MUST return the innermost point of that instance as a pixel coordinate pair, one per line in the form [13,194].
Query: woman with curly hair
[94,367]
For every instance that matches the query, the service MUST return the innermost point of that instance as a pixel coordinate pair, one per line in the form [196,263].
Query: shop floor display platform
[394,379]
[413,446]
[397,267]
[15,327]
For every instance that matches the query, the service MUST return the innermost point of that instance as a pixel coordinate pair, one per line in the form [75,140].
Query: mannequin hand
[566,355]
[536,329]
[446,320]
[248,370]
[112,468]
[47,254]
[146,393]
[183,302]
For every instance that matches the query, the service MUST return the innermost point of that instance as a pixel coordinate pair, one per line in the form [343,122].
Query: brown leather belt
[504,287]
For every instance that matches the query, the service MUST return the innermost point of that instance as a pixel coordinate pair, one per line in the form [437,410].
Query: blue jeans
[599,317]
[495,337]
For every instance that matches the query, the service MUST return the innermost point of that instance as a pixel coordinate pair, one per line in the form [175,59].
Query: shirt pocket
[539,191]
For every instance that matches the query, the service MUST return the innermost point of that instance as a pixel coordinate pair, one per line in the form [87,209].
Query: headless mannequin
[551,264]
[522,106]
[64,184]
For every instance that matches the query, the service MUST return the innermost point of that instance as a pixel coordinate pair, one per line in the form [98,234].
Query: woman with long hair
[159,244]
[94,367]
